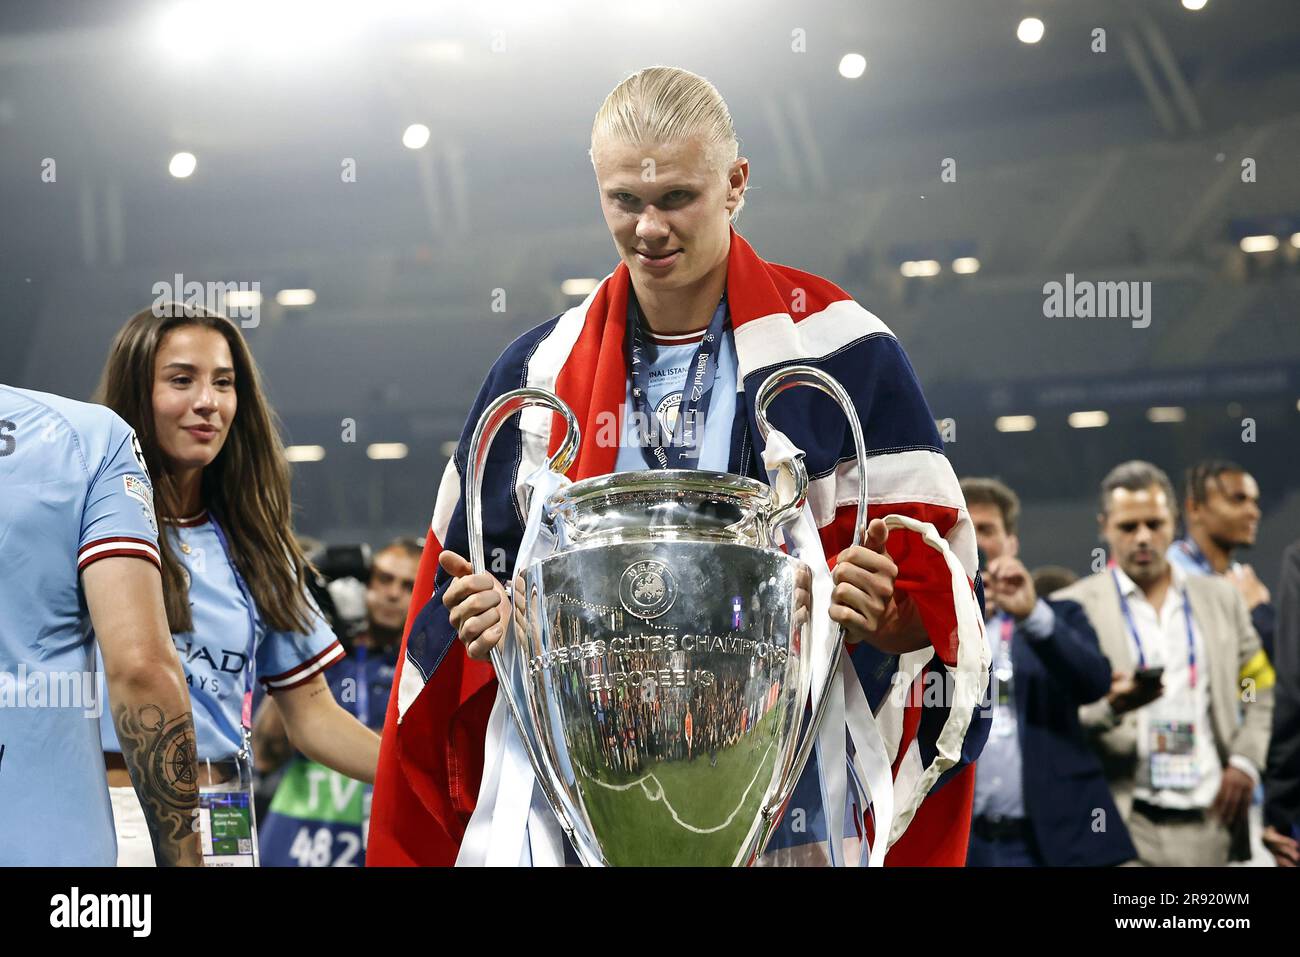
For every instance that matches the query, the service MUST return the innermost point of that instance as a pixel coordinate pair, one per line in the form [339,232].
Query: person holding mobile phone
[1038,783]
[1182,754]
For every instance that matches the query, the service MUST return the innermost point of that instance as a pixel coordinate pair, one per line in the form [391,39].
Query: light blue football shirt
[1184,554]
[73,490]
[667,376]
[216,652]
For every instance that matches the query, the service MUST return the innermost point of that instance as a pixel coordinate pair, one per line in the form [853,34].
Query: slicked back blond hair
[666,104]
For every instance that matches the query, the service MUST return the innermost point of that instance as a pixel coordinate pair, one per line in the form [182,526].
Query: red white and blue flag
[431,761]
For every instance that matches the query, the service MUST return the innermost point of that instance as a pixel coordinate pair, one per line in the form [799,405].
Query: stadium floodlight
[1258,244]
[269,29]
[182,165]
[1295,240]
[1194,4]
[852,65]
[965,265]
[1015,423]
[1093,419]
[1166,413]
[442,51]
[296,297]
[181,28]
[380,451]
[416,136]
[923,268]
[578,287]
[304,453]
[243,299]
[1030,30]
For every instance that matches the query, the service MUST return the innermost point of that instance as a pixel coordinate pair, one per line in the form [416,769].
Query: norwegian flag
[431,760]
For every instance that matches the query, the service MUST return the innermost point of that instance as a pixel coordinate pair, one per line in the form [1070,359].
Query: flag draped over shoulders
[431,761]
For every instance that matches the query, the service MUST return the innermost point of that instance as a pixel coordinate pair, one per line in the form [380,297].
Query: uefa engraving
[647,589]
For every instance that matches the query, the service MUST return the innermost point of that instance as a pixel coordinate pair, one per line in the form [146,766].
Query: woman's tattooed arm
[160,755]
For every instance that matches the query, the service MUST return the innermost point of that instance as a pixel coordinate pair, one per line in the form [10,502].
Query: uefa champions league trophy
[661,664]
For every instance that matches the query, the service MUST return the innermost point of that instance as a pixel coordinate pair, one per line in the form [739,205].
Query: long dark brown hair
[246,486]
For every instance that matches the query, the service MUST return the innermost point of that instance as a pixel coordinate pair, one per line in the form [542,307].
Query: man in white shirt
[1182,767]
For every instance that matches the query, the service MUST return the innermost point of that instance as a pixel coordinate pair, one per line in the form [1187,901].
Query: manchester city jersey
[219,651]
[75,490]
[672,362]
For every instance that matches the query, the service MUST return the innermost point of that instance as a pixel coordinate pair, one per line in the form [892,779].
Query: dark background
[1114,166]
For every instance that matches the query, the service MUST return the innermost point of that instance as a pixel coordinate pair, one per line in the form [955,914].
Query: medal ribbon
[697,391]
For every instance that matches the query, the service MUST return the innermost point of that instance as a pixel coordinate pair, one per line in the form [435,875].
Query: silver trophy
[661,670]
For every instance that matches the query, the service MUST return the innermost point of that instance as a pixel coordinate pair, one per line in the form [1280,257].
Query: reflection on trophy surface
[665,676]
[663,658]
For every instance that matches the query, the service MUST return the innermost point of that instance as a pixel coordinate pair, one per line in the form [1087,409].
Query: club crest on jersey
[666,411]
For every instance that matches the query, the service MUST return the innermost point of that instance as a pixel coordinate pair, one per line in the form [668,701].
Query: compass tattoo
[160,753]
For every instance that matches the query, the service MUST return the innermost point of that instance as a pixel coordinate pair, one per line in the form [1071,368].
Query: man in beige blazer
[1183,747]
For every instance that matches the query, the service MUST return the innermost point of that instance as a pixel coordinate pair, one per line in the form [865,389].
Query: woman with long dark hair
[234,579]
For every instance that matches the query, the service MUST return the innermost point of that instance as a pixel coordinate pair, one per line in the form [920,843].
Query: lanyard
[1187,620]
[1008,626]
[697,390]
[246,710]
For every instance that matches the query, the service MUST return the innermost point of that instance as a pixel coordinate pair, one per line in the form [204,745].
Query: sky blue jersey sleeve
[118,516]
[286,659]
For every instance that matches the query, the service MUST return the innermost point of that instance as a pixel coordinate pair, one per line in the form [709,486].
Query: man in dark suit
[1282,778]
[1040,792]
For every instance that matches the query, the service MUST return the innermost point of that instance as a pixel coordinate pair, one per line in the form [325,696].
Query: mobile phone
[1149,676]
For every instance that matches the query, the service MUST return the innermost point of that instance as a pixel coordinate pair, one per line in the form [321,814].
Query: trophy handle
[792,377]
[778,382]
[489,423]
